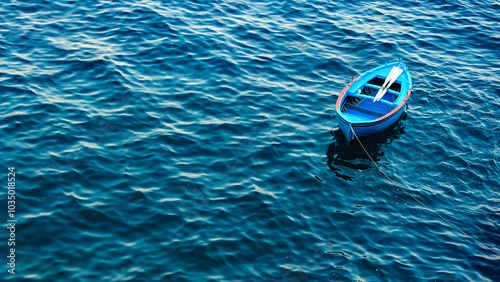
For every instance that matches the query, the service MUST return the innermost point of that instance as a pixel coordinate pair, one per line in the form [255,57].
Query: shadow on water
[340,153]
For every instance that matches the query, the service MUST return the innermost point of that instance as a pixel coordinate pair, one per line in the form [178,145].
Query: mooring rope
[480,244]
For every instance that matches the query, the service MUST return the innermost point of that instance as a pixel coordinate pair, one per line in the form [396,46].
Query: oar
[391,78]
[387,79]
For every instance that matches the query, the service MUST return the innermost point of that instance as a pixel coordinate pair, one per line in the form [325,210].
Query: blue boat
[374,101]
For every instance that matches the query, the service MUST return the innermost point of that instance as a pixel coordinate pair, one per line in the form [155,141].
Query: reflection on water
[340,153]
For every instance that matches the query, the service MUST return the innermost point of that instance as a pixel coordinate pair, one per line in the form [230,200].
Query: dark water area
[197,141]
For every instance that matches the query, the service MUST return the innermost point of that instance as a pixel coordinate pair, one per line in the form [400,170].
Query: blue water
[197,141]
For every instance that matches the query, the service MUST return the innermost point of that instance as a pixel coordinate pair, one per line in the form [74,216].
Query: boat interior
[359,105]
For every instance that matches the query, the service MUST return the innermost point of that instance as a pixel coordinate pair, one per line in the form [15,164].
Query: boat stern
[345,126]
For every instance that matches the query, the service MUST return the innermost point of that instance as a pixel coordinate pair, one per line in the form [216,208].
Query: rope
[421,202]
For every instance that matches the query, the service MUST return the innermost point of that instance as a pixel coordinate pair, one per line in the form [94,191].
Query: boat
[374,101]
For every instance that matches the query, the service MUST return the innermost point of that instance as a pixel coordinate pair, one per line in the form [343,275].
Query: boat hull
[362,113]
[371,128]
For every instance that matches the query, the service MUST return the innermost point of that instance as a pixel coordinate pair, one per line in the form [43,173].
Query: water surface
[197,141]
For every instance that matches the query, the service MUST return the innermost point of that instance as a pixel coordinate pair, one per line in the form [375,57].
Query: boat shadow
[351,155]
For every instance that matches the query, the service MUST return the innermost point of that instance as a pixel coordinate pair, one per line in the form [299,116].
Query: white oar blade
[381,90]
[391,78]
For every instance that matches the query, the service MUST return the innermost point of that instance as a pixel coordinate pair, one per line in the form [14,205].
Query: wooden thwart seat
[395,93]
[363,96]
[363,110]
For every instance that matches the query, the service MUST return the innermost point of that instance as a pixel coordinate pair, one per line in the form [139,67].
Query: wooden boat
[374,101]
